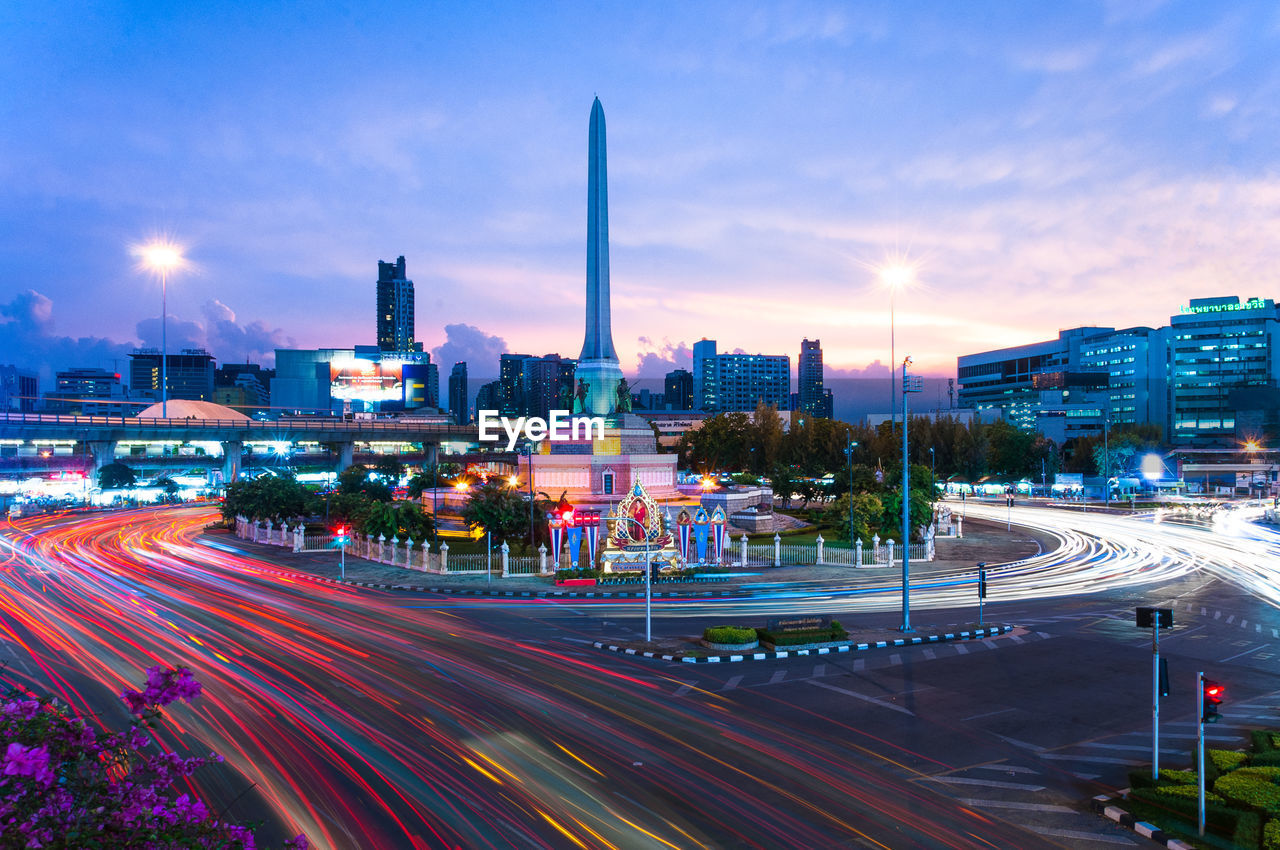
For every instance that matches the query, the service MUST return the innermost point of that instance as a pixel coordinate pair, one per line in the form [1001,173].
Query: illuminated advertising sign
[354,379]
[1228,307]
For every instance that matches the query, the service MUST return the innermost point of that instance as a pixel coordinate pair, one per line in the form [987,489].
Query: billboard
[357,379]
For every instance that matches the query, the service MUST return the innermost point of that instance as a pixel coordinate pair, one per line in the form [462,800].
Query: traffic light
[982,581]
[1213,694]
[340,534]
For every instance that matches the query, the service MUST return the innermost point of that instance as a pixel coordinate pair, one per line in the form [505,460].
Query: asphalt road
[371,719]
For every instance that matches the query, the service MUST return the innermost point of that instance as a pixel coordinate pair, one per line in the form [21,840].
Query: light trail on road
[367,722]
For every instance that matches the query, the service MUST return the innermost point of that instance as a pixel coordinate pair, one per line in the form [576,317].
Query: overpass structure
[101,435]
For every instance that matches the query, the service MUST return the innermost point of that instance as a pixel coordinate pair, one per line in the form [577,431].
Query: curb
[503,594]
[826,650]
[1102,804]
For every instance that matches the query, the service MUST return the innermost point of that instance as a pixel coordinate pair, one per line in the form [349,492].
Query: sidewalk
[982,542]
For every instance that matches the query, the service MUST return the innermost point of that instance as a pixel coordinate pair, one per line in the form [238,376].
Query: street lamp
[910,384]
[161,258]
[894,276]
[848,453]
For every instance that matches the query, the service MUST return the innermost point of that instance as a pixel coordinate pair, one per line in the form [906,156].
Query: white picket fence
[419,557]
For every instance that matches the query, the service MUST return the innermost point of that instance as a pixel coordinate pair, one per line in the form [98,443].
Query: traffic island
[689,650]
[1242,800]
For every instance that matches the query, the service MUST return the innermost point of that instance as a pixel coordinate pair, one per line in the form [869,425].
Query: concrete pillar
[104,454]
[889,543]
[232,450]
[346,455]
[299,536]
[875,548]
[743,562]
[542,559]
[857,553]
[444,558]
[395,544]
[959,526]
[777,550]
[408,554]
[820,541]
[382,545]
[506,559]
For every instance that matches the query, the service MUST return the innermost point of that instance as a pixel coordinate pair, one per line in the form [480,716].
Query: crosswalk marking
[1092,758]
[961,649]
[778,676]
[1140,748]
[859,664]
[985,783]
[731,683]
[1012,804]
[1082,836]
[819,670]
[930,654]
[1007,768]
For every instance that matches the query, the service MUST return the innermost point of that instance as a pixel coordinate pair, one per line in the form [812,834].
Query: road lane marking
[864,697]
[732,683]
[778,676]
[961,649]
[819,670]
[859,664]
[1238,654]
[930,654]
[987,714]
[985,783]
[1006,768]
[1139,748]
[1023,744]
[895,658]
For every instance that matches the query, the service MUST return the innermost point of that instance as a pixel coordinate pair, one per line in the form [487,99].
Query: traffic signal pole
[1155,698]
[1200,751]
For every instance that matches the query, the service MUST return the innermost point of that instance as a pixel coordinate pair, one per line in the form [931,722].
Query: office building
[303,378]
[727,382]
[395,308]
[1135,360]
[811,396]
[490,396]
[1216,346]
[511,383]
[545,384]
[421,383]
[190,374]
[458,407]
[678,387]
[19,389]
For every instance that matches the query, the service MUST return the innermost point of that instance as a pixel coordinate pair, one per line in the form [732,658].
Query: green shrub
[1178,777]
[1190,791]
[1270,773]
[1271,759]
[579,573]
[1226,760]
[728,634]
[1176,813]
[1250,791]
[1271,835]
[1264,740]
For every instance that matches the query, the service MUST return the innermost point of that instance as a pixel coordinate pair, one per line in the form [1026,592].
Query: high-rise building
[395,307]
[190,374]
[458,407]
[1136,363]
[87,392]
[544,382]
[490,396]
[725,382]
[1217,345]
[809,377]
[421,384]
[679,390]
[19,389]
[511,383]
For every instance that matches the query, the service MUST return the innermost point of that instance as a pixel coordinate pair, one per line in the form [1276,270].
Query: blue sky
[1045,165]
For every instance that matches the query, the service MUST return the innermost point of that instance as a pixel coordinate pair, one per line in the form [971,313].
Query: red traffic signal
[1213,696]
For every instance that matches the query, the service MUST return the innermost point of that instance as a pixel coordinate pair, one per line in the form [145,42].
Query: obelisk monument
[598,365]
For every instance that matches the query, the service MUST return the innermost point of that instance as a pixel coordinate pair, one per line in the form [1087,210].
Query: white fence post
[777,550]
[819,549]
[875,548]
[960,526]
[743,562]
[889,543]
[382,545]
[299,536]
[506,559]
[444,558]
[857,553]
[542,559]
[395,544]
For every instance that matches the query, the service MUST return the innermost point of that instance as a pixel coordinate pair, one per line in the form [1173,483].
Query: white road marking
[985,783]
[1090,758]
[864,697]
[1082,836]
[732,683]
[1010,804]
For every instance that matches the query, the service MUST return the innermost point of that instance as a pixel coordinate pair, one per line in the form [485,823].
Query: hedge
[1225,760]
[1250,790]
[1142,778]
[1242,828]
[834,633]
[1271,835]
[729,634]
[579,573]
[1268,759]
[1191,791]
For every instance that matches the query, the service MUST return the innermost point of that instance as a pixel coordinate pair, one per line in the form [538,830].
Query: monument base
[600,472]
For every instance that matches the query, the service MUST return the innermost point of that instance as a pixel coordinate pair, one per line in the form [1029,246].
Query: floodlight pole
[906,511]
[164,343]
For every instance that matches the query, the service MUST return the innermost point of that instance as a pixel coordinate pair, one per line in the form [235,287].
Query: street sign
[1147,617]
[912,384]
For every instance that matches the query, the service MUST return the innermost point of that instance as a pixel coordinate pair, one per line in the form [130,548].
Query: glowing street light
[161,258]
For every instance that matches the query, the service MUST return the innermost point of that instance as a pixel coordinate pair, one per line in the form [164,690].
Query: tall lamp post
[161,258]
[894,277]
[910,384]
[848,453]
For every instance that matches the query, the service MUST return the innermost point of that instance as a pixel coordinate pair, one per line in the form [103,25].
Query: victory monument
[602,471]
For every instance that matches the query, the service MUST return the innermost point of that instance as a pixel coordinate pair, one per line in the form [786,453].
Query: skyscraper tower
[395,307]
[598,364]
[809,373]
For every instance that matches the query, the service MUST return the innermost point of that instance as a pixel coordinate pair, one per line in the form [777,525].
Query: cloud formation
[655,360]
[467,343]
